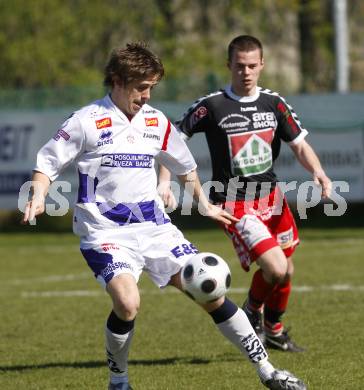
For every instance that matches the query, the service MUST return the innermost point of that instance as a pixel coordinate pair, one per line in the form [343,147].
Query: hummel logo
[244,109]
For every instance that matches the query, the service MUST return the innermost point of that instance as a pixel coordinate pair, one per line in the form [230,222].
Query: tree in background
[316,45]
[63,43]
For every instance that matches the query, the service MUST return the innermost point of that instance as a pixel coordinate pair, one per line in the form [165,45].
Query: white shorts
[160,250]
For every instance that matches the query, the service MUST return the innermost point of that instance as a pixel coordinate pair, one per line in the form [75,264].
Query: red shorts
[264,224]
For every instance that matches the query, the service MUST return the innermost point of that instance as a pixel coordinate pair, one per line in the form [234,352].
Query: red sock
[259,290]
[275,306]
[277,300]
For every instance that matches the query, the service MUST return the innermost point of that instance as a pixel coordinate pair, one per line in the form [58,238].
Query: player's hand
[219,215]
[165,192]
[33,208]
[320,179]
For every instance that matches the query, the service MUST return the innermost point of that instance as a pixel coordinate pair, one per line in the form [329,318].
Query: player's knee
[277,276]
[127,308]
[274,266]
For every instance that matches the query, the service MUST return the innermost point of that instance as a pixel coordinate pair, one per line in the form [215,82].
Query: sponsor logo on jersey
[61,134]
[105,138]
[232,122]
[151,121]
[285,239]
[251,153]
[245,109]
[288,116]
[103,123]
[149,111]
[151,136]
[126,160]
[264,120]
[106,246]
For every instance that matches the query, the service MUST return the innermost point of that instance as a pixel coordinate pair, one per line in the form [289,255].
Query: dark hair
[133,62]
[244,43]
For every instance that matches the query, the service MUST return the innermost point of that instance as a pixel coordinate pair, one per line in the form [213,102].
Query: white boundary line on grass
[96,293]
[49,279]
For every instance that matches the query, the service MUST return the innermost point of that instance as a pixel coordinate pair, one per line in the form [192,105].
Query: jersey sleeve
[289,128]
[62,149]
[174,153]
[194,120]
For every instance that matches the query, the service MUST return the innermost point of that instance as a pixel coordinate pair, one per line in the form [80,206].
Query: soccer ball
[205,277]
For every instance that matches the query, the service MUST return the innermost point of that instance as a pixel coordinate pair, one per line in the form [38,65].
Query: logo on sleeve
[200,113]
[61,134]
[103,123]
[151,121]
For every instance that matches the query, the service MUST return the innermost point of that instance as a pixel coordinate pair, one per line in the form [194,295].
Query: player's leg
[254,242]
[235,326]
[119,328]
[275,306]
[167,249]
[233,323]
[272,271]
[285,232]
[118,271]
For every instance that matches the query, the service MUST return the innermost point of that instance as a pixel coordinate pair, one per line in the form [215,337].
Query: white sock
[117,350]
[264,370]
[239,331]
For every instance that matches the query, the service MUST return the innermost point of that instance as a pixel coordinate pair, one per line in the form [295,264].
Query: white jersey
[115,159]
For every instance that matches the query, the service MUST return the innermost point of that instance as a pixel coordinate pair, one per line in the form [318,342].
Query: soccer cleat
[284,380]
[256,320]
[282,342]
[119,386]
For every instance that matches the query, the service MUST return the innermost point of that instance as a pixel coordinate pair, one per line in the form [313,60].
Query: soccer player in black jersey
[244,125]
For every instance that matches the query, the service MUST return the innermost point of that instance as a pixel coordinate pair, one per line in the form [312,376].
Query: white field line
[95,293]
[49,279]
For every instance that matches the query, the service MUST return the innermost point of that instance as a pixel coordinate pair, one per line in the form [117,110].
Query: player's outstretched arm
[309,160]
[193,186]
[40,186]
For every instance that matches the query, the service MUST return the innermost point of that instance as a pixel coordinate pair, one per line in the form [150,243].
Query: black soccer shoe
[284,380]
[282,342]
[256,320]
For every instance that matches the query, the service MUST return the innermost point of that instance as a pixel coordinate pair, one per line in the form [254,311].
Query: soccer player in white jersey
[119,216]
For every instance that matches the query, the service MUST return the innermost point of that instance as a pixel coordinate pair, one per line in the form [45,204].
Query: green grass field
[53,314]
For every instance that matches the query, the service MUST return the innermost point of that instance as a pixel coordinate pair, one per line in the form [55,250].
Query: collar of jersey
[242,99]
[117,110]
